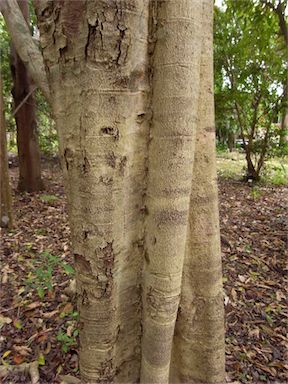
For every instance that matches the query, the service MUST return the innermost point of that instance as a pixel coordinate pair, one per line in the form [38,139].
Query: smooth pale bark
[24,44]
[136,128]
[6,217]
[175,84]
[198,354]
[27,140]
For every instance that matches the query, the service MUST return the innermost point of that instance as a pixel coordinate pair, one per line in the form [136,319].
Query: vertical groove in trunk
[198,353]
[175,84]
[27,140]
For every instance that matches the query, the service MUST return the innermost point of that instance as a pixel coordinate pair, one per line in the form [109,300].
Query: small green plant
[41,278]
[256,193]
[66,340]
[48,198]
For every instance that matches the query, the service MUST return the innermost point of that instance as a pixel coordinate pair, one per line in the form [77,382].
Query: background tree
[249,78]
[6,199]
[25,105]
[278,7]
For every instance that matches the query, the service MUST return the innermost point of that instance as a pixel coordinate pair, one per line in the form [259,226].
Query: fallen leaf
[4,320]
[5,354]
[18,359]
[41,359]
[17,324]
[48,315]
[22,350]
[34,305]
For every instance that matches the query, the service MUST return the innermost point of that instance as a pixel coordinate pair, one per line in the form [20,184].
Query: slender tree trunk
[132,117]
[27,141]
[6,199]
[283,129]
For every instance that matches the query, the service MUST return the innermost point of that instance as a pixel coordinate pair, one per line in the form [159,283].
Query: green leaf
[68,269]
[40,292]
[41,359]
[48,198]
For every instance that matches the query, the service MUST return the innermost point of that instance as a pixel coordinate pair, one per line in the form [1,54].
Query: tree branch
[24,44]
[279,10]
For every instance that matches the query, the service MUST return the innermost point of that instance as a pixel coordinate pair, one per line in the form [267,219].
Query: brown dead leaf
[48,315]
[18,359]
[42,338]
[34,305]
[280,295]
[67,308]
[234,294]
[242,278]
[254,333]
[22,350]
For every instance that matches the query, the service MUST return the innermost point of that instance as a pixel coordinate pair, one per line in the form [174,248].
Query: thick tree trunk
[132,117]
[6,216]
[27,141]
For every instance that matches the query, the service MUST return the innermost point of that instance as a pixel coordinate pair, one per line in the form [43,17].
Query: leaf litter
[38,317]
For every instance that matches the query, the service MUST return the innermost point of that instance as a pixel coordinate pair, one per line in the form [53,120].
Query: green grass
[233,165]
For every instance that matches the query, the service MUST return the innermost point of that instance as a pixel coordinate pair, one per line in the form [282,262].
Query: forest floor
[38,316]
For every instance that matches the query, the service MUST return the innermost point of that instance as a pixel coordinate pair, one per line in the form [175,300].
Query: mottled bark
[27,140]
[6,217]
[132,97]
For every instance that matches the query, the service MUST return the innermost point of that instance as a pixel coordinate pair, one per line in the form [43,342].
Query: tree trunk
[24,44]
[6,199]
[27,141]
[283,129]
[132,117]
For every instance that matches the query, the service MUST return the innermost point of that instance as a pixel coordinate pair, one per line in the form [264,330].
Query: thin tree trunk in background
[143,214]
[284,128]
[6,199]
[27,140]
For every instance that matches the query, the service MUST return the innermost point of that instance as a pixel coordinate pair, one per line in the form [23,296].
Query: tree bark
[132,117]
[27,140]
[6,199]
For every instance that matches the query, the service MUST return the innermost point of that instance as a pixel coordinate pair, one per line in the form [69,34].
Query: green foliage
[41,278]
[221,147]
[6,75]
[250,74]
[48,198]
[255,193]
[232,165]
[66,340]
[47,134]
